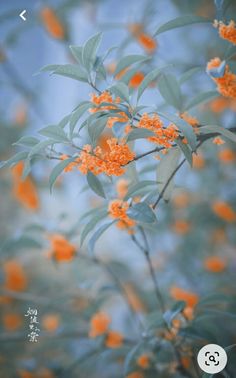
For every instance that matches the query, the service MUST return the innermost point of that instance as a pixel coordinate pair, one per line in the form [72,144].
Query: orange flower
[136,28]
[114,339]
[26,374]
[135,374]
[15,278]
[198,161]
[181,226]
[136,80]
[218,141]
[51,322]
[12,321]
[224,211]
[164,136]
[20,116]
[71,165]
[122,188]
[186,362]
[189,119]
[25,190]
[181,200]
[99,324]
[106,97]
[110,163]
[61,249]
[143,361]
[214,264]
[147,42]
[133,298]
[188,313]
[219,104]
[179,294]
[52,23]
[227,156]
[226,84]
[117,210]
[228,31]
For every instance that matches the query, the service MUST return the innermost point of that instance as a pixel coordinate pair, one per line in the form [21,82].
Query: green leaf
[27,141]
[188,74]
[57,170]
[219,130]
[97,235]
[184,127]
[77,114]
[139,134]
[165,169]
[130,357]
[54,132]
[91,224]
[142,212]
[171,314]
[95,184]
[40,146]
[179,22]
[96,128]
[186,151]
[230,52]
[122,90]
[14,160]
[138,188]
[201,98]
[77,53]
[128,61]
[150,77]
[89,51]
[170,90]
[68,70]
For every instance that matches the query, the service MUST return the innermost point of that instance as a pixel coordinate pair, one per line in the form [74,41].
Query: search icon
[212,358]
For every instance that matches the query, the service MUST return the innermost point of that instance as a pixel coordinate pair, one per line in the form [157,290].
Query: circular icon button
[212,358]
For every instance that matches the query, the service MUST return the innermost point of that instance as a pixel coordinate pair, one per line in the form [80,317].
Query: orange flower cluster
[61,249]
[111,163]
[193,121]
[135,374]
[227,156]
[118,210]
[15,278]
[226,84]
[12,321]
[107,98]
[227,32]
[99,325]
[219,104]
[181,226]
[198,161]
[179,294]
[51,322]
[122,188]
[144,39]
[164,136]
[224,211]
[218,141]
[52,23]
[143,361]
[136,80]
[25,190]
[215,264]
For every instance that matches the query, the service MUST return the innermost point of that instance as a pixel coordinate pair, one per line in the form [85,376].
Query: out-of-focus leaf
[230,52]
[41,146]
[171,314]
[91,224]
[188,74]
[97,235]
[95,185]
[128,61]
[138,188]
[89,51]
[201,98]
[220,130]
[170,90]
[14,160]
[139,134]
[121,90]
[77,53]
[57,170]
[184,127]
[54,132]
[27,141]
[179,22]
[76,114]
[130,357]
[165,168]
[141,212]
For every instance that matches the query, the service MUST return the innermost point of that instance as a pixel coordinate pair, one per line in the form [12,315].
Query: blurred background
[193,250]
